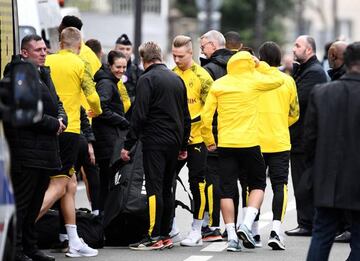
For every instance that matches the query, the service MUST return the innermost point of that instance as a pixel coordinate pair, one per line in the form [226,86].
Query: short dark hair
[232,40]
[270,52]
[352,55]
[94,45]
[113,55]
[28,38]
[247,49]
[310,40]
[124,40]
[70,21]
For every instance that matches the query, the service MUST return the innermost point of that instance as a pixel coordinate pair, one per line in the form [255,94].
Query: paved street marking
[216,247]
[198,258]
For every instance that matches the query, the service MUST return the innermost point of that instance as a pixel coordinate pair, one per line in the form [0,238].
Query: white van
[41,17]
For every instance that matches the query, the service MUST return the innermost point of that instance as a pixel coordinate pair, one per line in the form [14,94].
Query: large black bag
[89,228]
[126,218]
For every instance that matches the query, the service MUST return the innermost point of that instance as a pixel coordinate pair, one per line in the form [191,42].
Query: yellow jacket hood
[241,62]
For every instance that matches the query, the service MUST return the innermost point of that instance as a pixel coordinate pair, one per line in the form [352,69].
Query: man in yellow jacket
[197,81]
[70,79]
[278,110]
[235,97]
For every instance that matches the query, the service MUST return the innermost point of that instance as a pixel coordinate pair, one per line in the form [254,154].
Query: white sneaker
[194,238]
[84,250]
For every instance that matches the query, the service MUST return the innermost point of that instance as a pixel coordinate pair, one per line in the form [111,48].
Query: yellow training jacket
[124,96]
[235,97]
[198,82]
[278,109]
[88,56]
[69,77]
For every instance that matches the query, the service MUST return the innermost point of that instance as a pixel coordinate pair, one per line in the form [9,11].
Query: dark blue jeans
[324,231]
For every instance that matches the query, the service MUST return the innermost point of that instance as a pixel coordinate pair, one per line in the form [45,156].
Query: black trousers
[160,171]
[304,201]
[278,164]
[196,163]
[30,185]
[212,190]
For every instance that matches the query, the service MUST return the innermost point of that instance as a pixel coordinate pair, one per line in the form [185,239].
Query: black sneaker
[224,235]
[257,239]
[148,243]
[275,242]
[209,235]
[343,237]
[60,247]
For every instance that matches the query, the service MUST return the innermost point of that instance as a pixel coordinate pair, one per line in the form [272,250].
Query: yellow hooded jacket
[88,56]
[69,77]
[198,82]
[278,110]
[235,97]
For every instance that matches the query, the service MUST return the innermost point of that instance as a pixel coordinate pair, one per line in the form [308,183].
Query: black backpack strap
[181,204]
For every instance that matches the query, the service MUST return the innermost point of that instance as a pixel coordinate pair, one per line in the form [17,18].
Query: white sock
[74,240]
[276,226]
[206,219]
[63,237]
[196,225]
[255,228]
[95,212]
[250,217]
[230,228]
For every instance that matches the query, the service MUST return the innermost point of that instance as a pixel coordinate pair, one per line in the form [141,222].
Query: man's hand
[125,155]
[91,114]
[62,126]
[256,60]
[182,155]
[211,147]
[91,153]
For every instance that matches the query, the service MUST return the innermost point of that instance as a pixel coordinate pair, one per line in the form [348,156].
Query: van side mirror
[20,95]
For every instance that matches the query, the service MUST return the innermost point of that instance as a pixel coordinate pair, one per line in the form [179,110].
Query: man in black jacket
[336,63]
[34,153]
[161,121]
[332,145]
[307,73]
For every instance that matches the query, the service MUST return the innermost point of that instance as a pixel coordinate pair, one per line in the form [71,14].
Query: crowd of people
[232,117]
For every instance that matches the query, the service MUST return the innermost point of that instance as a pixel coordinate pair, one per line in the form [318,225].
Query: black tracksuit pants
[159,168]
[30,185]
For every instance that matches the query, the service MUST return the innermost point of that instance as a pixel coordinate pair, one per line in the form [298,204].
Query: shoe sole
[200,243]
[80,255]
[212,239]
[146,248]
[275,245]
[247,242]
[233,249]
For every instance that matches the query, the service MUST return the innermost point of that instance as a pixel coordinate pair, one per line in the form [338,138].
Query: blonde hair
[70,37]
[182,40]
[150,52]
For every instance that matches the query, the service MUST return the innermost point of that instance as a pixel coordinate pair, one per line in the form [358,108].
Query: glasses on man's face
[202,47]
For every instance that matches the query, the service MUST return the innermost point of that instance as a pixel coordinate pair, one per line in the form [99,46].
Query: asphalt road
[296,247]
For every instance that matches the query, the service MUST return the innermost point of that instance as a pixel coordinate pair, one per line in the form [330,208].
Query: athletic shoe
[209,235]
[224,235]
[257,239]
[84,250]
[275,242]
[246,236]
[60,247]
[167,242]
[233,246]
[148,243]
[194,238]
[344,237]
